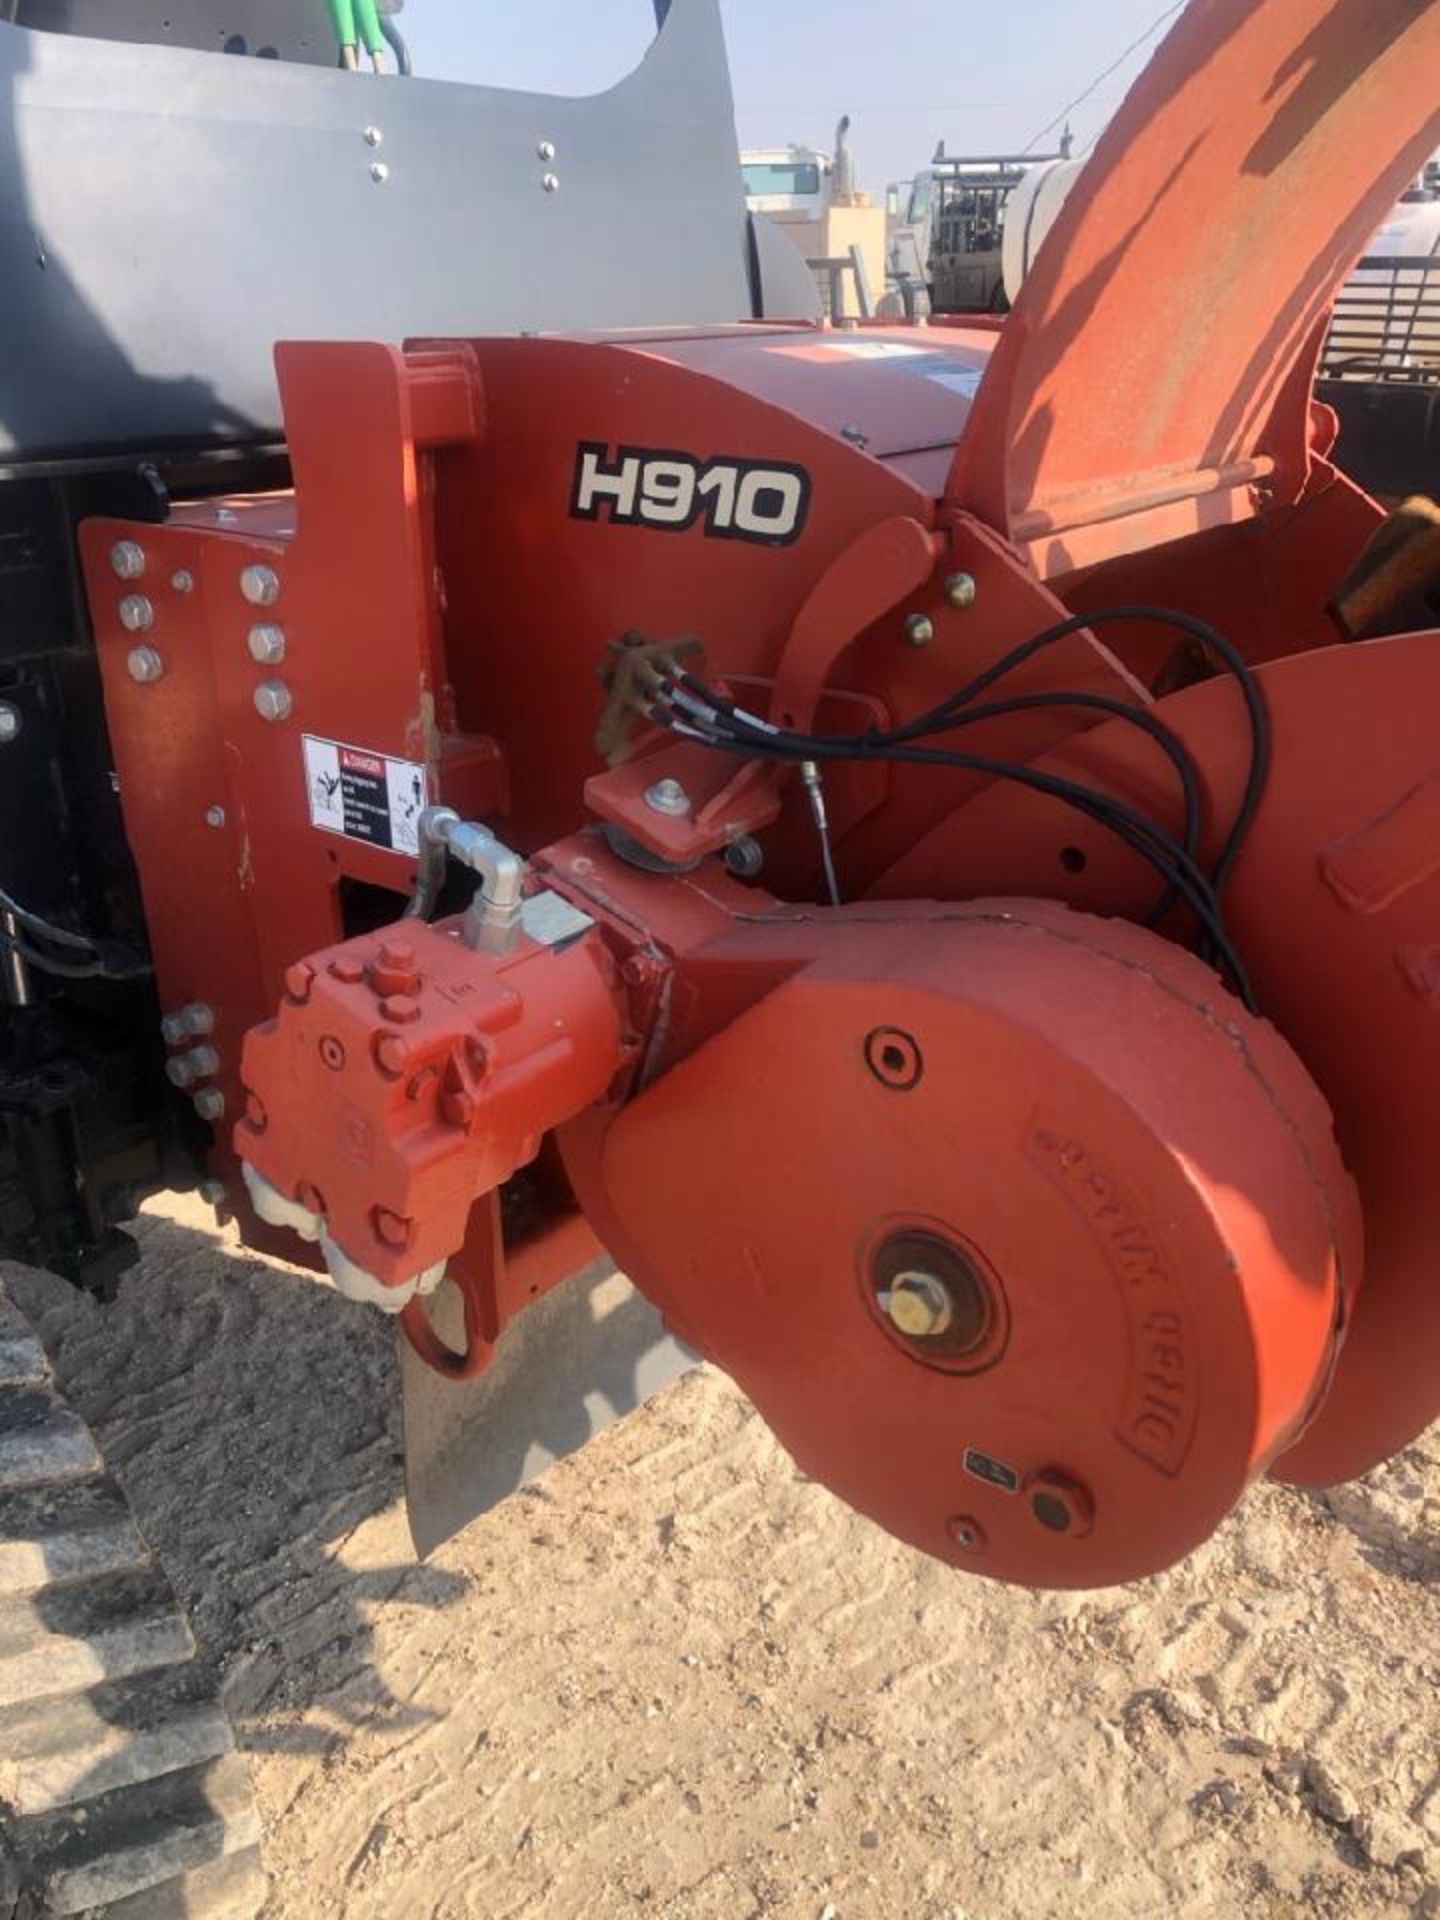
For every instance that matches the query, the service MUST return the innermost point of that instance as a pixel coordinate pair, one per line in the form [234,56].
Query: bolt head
[960,590]
[183,581]
[379,173]
[214,1192]
[137,613]
[551,183]
[10,723]
[260,585]
[745,859]
[145,665]
[210,1104]
[267,645]
[670,798]
[400,1009]
[919,630]
[392,1054]
[967,1534]
[127,560]
[546,150]
[299,979]
[919,1305]
[390,1230]
[215,816]
[273,700]
[180,1072]
[347,970]
[374,137]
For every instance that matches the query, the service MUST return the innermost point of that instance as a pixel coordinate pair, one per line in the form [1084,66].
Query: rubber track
[121,1794]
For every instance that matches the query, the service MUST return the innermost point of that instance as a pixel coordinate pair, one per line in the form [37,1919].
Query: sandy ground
[677,1681]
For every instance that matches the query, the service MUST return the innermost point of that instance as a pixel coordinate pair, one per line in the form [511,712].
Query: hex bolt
[145,665]
[201,1063]
[392,1054]
[260,585]
[299,979]
[960,590]
[919,1305]
[379,173]
[670,798]
[745,859]
[214,1192]
[127,560]
[273,701]
[374,137]
[919,630]
[215,816]
[267,645]
[190,1023]
[11,721]
[551,183]
[546,151]
[210,1104]
[391,1230]
[137,614]
[182,580]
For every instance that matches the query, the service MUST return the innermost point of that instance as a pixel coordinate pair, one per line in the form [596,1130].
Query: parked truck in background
[946,227]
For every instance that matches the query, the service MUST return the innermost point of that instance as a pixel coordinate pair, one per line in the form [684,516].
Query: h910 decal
[764,502]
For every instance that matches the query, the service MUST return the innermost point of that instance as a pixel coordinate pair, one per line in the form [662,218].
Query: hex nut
[260,585]
[670,798]
[267,645]
[127,560]
[145,665]
[137,613]
[273,700]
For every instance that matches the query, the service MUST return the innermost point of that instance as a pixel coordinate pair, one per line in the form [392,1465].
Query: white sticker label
[365,796]
[874,349]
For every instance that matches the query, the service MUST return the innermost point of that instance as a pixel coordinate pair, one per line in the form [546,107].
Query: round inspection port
[935,1298]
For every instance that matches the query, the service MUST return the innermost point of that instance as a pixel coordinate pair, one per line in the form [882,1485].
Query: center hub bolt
[919,1305]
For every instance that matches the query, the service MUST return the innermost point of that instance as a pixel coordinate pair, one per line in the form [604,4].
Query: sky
[984,77]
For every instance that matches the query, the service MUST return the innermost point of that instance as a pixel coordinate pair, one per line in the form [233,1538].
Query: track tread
[121,1794]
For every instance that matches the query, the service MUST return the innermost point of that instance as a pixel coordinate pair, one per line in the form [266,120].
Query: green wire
[342,19]
[368,19]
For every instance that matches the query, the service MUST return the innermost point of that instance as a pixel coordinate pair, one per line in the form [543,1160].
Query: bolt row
[260,586]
